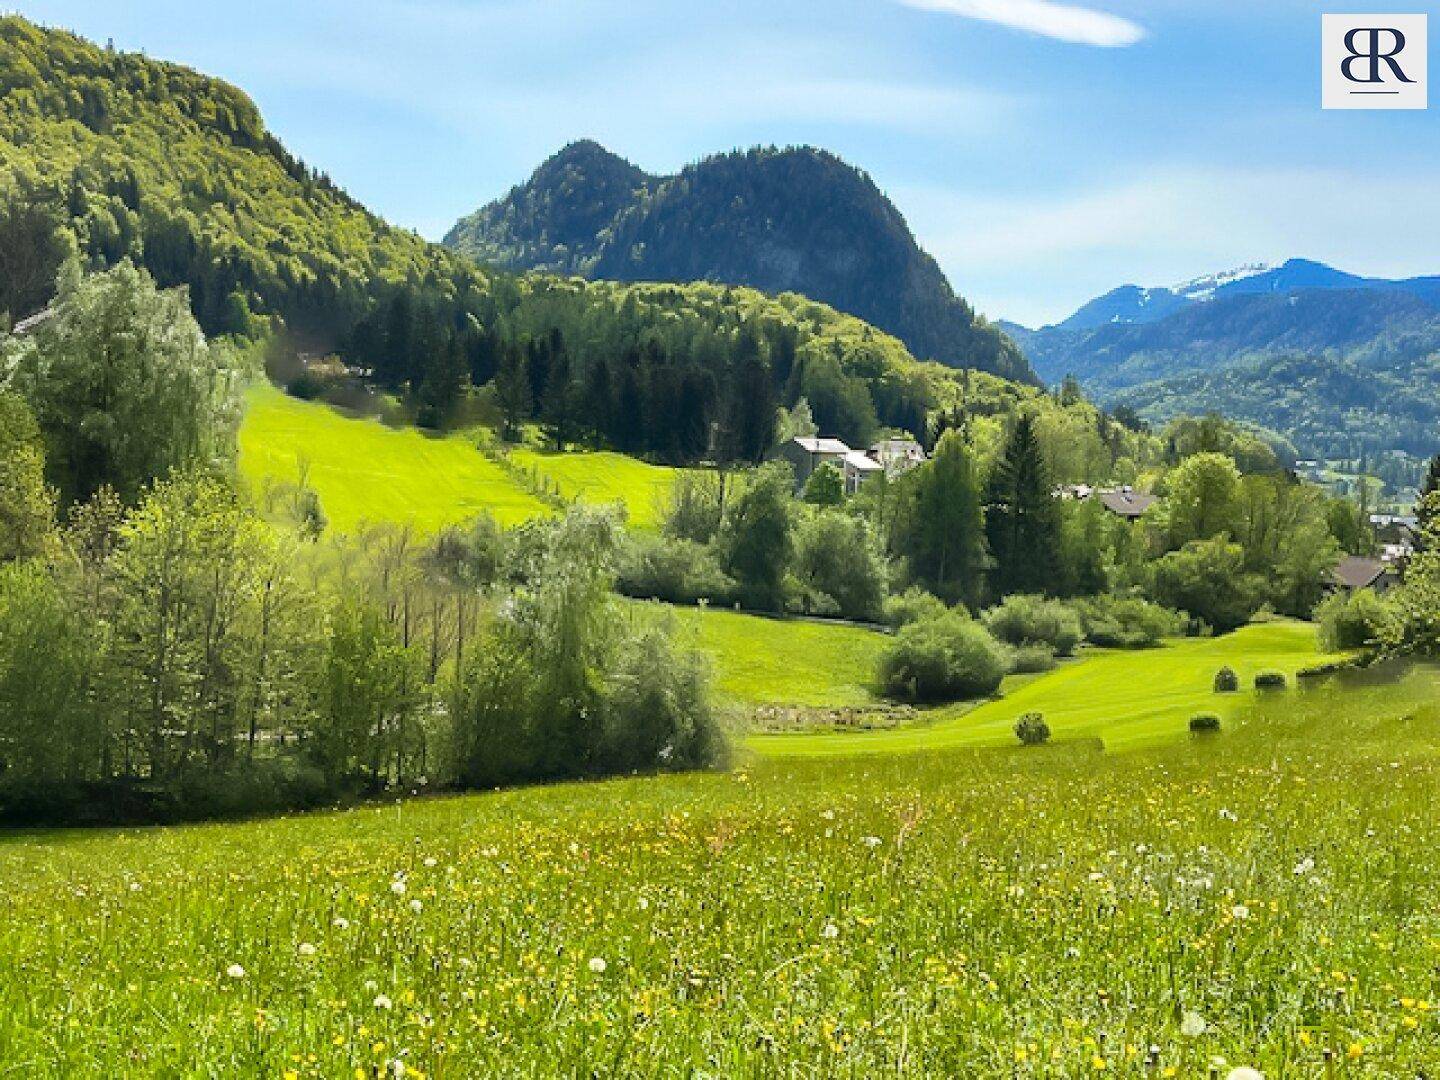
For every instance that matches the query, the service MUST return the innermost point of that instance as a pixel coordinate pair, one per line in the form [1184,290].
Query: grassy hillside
[760,661]
[365,471]
[605,477]
[1124,698]
[1016,913]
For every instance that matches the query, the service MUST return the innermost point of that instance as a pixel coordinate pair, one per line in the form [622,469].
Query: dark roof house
[1126,503]
[1355,572]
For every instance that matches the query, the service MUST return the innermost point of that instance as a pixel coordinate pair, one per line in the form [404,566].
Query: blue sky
[1042,151]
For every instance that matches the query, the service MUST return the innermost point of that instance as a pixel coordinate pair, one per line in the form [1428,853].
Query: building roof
[1128,504]
[861,463]
[812,445]
[1359,571]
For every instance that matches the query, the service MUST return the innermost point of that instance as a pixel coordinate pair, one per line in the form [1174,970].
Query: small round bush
[1032,730]
[1031,659]
[913,605]
[1271,680]
[949,658]
[1226,681]
[1204,723]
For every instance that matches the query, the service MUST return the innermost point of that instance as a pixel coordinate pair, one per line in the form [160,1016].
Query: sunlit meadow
[1265,897]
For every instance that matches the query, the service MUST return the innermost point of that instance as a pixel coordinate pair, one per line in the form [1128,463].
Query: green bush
[1127,622]
[836,555]
[674,570]
[1032,730]
[913,605]
[949,658]
[1205,723]
[1355,621]
[1226,681]
[1271,680]
[1034,620]
[1031,659]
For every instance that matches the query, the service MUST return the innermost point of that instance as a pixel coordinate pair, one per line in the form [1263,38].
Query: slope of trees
[781,220]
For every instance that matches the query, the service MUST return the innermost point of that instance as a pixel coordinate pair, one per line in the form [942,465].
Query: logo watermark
[1375,61]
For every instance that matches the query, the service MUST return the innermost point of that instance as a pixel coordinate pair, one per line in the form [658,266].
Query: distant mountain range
[781,220]
[1335,361]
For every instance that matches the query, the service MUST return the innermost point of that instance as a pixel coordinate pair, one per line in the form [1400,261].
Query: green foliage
[1201,498]
[1207,578]
[27,503]
[1033,620]
[125,387]
[912,605]
[1207,723]
[836,556]
[1271,680]
[1022,520]
[756,540]
[1226,681]
[825,486]
[1126,622]
[950,658]
[1349,621]
[940,522]
[1031,659]
[33,244]
[675,570]
[586,211]
[564,688]
[1032,730]
[695,506]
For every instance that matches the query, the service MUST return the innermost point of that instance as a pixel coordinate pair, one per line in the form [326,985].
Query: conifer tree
[1022,519]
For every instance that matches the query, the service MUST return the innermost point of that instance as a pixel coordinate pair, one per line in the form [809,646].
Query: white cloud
[1064,22]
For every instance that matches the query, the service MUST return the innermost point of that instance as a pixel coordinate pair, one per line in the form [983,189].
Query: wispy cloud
[1064,22]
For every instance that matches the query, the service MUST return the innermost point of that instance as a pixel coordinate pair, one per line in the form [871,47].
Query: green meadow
[365,471]
[1124,698]
[1264,897]
[604,477]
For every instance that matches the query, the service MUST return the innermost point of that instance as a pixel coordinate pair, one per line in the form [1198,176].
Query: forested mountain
[118,156]
[791,220]
[1337,363]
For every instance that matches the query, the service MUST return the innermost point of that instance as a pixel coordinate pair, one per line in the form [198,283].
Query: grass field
[605,477]
[1261,897]
[364,470]
[1125,698]
[760,661]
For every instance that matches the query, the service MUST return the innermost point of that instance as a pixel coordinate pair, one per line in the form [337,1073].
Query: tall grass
[1266,896]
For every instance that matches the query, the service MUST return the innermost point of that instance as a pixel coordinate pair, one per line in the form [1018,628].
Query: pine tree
[1022,519]
[558,408]
[945,531]
[512,391]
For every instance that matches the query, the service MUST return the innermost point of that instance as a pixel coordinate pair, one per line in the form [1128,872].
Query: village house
[859,468]
[806,453]
[1356,572]
[898,456]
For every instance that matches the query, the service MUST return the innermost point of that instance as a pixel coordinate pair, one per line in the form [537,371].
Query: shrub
[913,605]
[1205,723]
[1031,659]
[836,554]
[1033,620]
[1032,730]
[949,658]
[1356,621]
[1208,579]
[676,571]
[1271,680]
[1127,622]
[1226,681]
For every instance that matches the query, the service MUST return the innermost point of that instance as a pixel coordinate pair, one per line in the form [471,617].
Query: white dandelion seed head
[1240,911]
[598,965]
[235,971]
[416,906]
[1192,1025]
[1244,1072]
[431,861]
[383,1002]
[830,930]
[305,949]
[872,841]
[340,923]
[397,887]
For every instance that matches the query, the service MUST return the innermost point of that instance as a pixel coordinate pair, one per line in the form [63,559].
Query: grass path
[1125,698]
[365,471]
